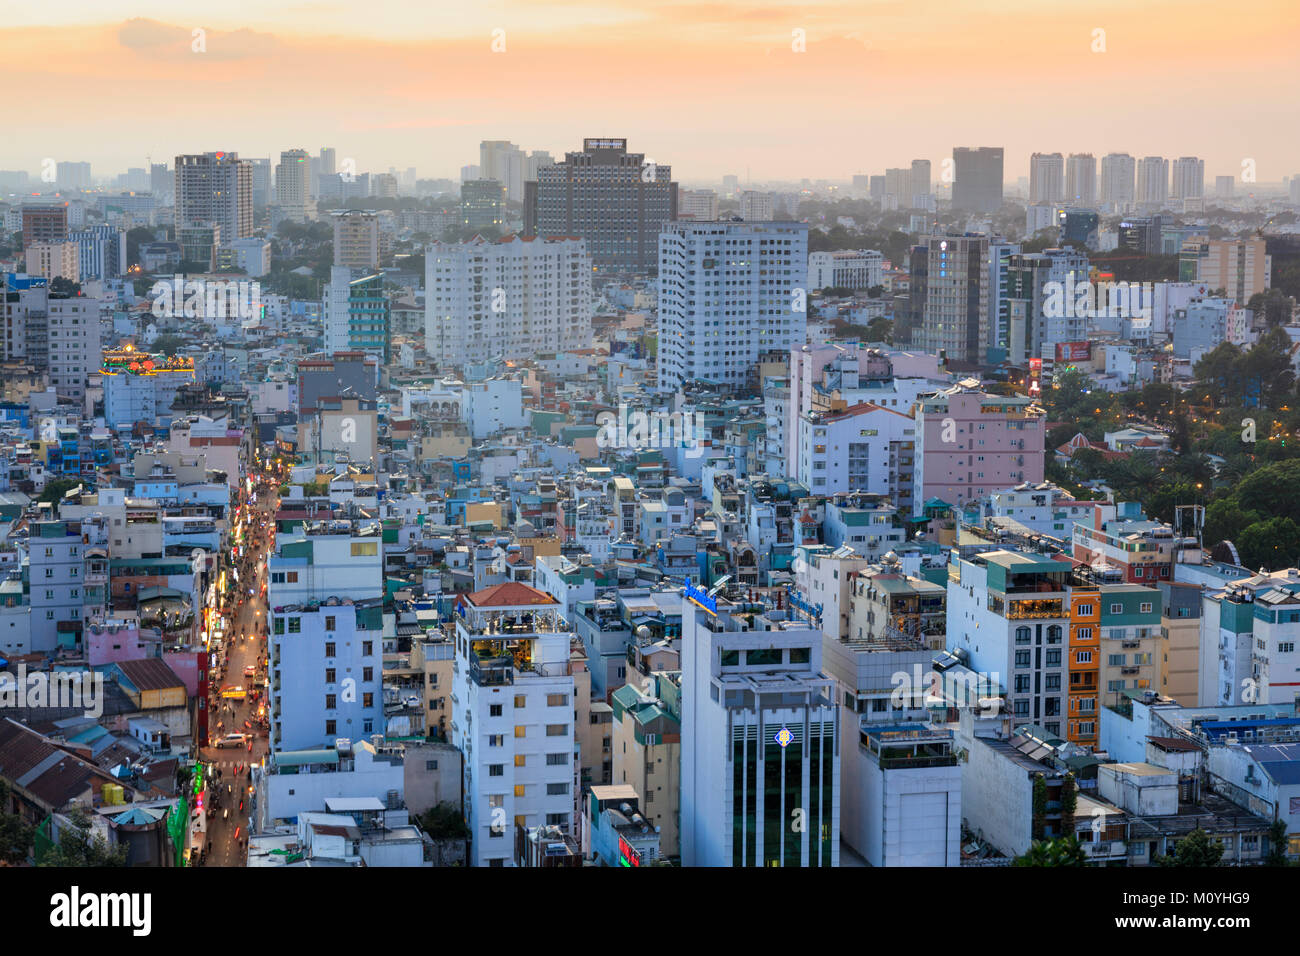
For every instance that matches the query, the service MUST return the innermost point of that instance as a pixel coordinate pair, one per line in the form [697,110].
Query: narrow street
[227,768]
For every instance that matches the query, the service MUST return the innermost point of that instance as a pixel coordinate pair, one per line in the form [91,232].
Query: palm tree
[1064,851]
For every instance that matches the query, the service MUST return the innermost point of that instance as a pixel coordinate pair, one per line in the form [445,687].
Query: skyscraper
[1188,181]
[728,292]
[616,200]
[72,177]
[293,184]
[261,181]
[506,163]
[920,184]
[482,204]
[977,182]
[1046,177]
[356,239]
[215,188]
[1081,179]
[1118,171]
[327,161]
[1153,180]
[954,297]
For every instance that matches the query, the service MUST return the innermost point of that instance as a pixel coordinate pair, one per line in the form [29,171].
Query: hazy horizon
[708,88]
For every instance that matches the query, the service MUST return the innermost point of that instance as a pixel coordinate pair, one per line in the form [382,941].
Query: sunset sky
[710,88]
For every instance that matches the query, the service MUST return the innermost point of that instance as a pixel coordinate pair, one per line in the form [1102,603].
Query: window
[496,740]
[557,819]
[368,700]
[330,649]
[1053,658]
[331,728]
[521,700]
[331,702]
[520,760]
[557,730]
[494,710]
[556,760]
[1145,607]
[1118,608]
[295,625]
[291,577]
[329,675]
[367,648]
[1117,660]
[519,790]
[1083,657]
[431,765]
[496,800]
[277,625]
[365,549]
[1022,658]
[329,622]
[557,700]
[557,789]
[496,770]
[367,673]
[520,730]
[1022,635]
[1084,634]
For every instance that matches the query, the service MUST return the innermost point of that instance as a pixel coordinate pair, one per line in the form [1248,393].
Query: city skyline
[665,76]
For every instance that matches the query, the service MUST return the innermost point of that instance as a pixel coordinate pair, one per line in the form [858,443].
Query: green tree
[78,847]
[15,835]
[1039,821]
[1271,544]
[1278,842]
[56,489]
[1225,519]
[1065,851]
[1195,849]
[444,822]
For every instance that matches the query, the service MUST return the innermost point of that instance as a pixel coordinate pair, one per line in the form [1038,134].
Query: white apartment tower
[1188,180]
[510,298]
[1153,180]
[1081,179]
[1046,177]
[1118,171]
[728,293]
[513,716]
[760,764]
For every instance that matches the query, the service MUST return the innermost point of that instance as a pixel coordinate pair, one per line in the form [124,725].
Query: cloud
[164,41]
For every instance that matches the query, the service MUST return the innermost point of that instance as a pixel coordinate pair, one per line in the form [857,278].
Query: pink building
[970,443]
[116,641]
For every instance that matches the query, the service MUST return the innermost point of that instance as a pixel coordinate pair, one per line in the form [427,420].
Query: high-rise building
[756,206]
[369,318]
[1152,180]
[74,339]
[216,188]
[857,269]
[536,160]
[510,299]
[482,204]
[1081,179]
[1038,287]
[1118,172]
[898,186]
[356,238]
[1241,267]
[1188,181]
[977,182]
[1000,253]
[293,184]
[101,251]
[513,715]
[161,182]
[328,161]
[1046,177]
[1224,186]
[44,224]
[72,177]
[506,163]
[700,204]
[920,182]
[763,740]
[876,188]
[728,293]
[954,297]
[617,201]
[261,181]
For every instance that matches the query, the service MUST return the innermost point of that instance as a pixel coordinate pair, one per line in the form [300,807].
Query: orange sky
[709,88]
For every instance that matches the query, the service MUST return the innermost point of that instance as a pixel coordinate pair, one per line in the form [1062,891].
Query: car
[231,740]
[250,671]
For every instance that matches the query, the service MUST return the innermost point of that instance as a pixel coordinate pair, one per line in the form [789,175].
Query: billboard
[1073,351]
